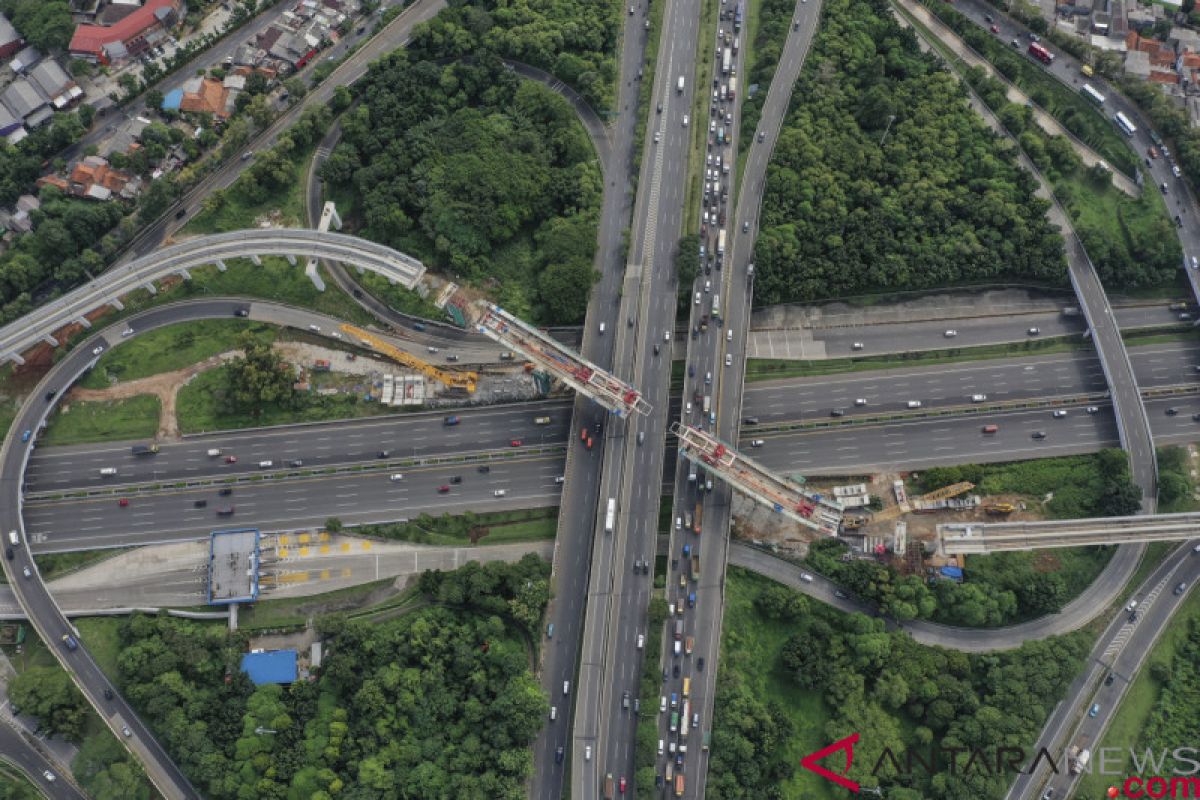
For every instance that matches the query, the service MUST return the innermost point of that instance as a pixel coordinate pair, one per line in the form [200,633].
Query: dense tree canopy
[894,692]
[49,694]
[45,24]
[942,201]
[438,703]
[490,174]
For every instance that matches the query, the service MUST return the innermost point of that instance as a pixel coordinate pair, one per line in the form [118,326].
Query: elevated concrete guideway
[107,289]
[983,538]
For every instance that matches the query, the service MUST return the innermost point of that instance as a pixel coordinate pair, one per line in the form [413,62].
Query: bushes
[942,202]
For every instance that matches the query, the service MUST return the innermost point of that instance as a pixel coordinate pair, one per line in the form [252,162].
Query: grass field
[200,408]
[171,348]
[99,634]
[54,565]
[500,527]
[751,639]
[294,611]
[104,420]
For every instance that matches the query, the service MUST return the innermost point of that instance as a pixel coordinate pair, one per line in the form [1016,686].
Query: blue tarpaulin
[273,666]
[953,573]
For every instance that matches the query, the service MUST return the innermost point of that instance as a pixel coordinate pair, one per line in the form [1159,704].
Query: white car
[1059,414]
[1093,409]
[860,401]
[729,359]
[431,349]
[697,298]
[553,713]
[641,641]
[566,687]
[48,775]
[560,479]
[315,328]
[1034,331]
[914,403]
[804,576]
[98,350]
[756,442]
[127,332]
[657,139]
[978,398]
[500,492]
[685,120]
[662,704]
[587,753]
[396,476]
[950,333]
[857,346]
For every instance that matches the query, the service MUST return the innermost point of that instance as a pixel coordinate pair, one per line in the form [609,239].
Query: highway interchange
[634,472]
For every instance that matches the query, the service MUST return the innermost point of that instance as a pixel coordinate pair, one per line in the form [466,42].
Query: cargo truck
[1078,759]
[144,449]
[679,85]
[679,785]
[696,567]
[726,61]
[707,403]
[696,518]
[721,244]
[608,787]
[733,88]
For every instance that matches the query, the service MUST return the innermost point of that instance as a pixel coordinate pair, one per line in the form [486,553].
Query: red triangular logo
[809,762]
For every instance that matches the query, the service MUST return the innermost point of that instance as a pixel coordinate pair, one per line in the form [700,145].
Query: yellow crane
[453,380]
[954,489]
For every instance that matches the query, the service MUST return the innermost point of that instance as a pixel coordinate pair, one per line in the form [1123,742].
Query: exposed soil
[165,386]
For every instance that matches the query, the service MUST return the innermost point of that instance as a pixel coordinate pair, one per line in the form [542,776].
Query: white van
[213,452]
[729,335]
[660,747]
[679,85]
[13,538]
[601,328]
[108,472]
[266,464]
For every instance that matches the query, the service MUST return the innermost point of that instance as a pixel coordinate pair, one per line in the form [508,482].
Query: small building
[26,59]
[24,101]
[55,84]
[270,666]
[10,40]
[1137,64]
[206,96]
[128,37]
[1184,39]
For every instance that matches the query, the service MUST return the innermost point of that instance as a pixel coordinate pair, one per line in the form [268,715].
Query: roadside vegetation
[1155,712]
[468,528]
[1142,249]
[103,421]
[1005,588]
[763,36]
[475,171]
[796,675]
[1176,488]
[941,202]
[650,686]
[15,786]
[397,708]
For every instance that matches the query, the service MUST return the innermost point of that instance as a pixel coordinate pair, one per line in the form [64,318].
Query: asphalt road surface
[834,335]
[1119,652]
[18,752]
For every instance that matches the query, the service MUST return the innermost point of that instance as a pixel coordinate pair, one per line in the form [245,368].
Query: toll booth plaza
[233,560]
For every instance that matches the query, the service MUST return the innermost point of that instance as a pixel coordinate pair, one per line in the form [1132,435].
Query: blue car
[1095,709]
[25,436]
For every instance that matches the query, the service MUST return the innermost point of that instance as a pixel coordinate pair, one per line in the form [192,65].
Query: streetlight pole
[891,119]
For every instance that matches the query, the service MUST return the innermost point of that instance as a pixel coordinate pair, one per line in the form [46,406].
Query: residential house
[10,40]
[129,36]
[207,96]
[55,84]
[25,59]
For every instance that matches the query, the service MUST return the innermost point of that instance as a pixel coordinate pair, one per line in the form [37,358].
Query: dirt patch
[1046,562]
[165,386]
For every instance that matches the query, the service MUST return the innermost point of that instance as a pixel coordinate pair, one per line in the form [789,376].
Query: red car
[124,501]
[443,489]
[589,443]
[230,459]
[995,29]
[516,442]
[622,784]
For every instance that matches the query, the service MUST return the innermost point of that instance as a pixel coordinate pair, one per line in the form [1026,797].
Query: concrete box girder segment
[982,537]
[751,478]
[606,389]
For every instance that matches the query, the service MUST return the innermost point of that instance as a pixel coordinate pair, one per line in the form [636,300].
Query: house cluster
[32,87]
[1173,64]
[94,178]
[297,36]
[117,31]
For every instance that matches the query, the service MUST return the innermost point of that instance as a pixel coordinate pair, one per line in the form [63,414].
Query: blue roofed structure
[271,666]
[172,99]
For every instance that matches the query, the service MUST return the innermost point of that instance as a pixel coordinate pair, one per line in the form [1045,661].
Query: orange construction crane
[452,380]
[954,489]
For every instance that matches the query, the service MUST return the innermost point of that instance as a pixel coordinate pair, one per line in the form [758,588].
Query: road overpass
[981,538]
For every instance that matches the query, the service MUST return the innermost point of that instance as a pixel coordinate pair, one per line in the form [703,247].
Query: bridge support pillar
[84,322]
[310,269]
[150,287]
[117,304]
[256,261]
[221,266]
[187,276]
[50,340]
[16,358]
[329,216]
[291,259]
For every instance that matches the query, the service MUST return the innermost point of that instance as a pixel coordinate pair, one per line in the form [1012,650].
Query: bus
[1124,124]
[1091,94]
[716,309]
[610,517]
[737,17]
[1040,52]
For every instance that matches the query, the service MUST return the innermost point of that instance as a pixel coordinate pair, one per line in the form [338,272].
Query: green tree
[259,377]
[48,694]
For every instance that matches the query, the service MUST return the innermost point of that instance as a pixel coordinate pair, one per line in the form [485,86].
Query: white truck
[679,85]
[1078,759]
